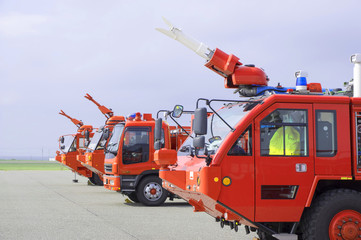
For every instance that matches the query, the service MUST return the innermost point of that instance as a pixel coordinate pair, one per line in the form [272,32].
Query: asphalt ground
[48,205]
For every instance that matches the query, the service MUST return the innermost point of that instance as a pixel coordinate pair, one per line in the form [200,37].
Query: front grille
[108,167]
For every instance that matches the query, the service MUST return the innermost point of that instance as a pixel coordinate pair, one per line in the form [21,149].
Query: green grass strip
[14,165]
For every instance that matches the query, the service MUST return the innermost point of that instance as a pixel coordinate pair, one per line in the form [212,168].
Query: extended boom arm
[108,113]
[75,121]
[236,75]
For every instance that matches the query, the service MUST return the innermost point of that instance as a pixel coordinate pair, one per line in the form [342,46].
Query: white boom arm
[198,47]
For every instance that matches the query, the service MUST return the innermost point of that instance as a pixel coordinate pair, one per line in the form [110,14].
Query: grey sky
[53,52]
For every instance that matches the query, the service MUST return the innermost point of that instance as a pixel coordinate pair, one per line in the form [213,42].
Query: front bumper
[112,182]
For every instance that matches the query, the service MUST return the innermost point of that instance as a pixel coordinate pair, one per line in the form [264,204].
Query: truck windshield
[97,141]
[113,143]
[217,130]
[69,144]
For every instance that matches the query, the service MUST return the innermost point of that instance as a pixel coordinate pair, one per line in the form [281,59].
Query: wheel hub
[152,191]
[345,225]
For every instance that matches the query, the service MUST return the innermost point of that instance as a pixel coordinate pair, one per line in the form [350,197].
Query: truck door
[135,149]
[238,175]
[284,167]
[332,139]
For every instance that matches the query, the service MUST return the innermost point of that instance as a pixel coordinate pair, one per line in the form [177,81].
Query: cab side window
[326,137]
[136,145]
[83,143]
[284,133]
[243,145]
[73,147]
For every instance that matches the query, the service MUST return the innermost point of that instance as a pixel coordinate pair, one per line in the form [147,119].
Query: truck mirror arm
[208,103]
[207,158]
[163,111]
[180,126]
[168,113]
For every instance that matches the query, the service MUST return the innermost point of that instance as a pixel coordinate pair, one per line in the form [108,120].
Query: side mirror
[177,111]
[158,134]
[62,140]
[199,142]
[87,135]
[106,133]
[200,121]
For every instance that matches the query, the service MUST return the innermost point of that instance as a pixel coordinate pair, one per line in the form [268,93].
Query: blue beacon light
[301,80]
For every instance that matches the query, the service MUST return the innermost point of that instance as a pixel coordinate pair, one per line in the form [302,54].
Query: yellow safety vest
[292,137]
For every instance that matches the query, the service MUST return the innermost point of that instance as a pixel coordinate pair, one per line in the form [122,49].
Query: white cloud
[18,24]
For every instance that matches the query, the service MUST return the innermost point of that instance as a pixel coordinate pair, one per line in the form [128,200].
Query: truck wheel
[96,180]
[335,215]
[150,191]
[133,197]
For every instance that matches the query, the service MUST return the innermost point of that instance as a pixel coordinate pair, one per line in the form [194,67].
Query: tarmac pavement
[48,205]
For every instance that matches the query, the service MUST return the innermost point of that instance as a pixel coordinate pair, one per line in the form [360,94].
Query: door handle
[301,167]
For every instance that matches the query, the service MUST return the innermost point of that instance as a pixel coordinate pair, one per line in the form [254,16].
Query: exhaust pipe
[356,60]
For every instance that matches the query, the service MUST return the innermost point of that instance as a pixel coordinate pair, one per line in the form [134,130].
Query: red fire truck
[285,165]
[93,157]
[129,166]
[72,145]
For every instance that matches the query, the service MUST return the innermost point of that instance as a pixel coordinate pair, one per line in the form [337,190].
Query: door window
[136,146]
[243,145]
[326,137]
[284,133]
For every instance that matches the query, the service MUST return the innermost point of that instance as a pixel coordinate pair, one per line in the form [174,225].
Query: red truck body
[129,165]
[287,166]
[93,157]
[71,147]
[256,188]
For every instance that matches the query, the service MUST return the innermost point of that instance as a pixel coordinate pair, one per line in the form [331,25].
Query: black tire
[96,180]
[341,206]
[150,191]
[133,197]
[264,236]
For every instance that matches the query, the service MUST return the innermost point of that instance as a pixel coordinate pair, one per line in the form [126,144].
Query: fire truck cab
[286,164]
[93,158]
[71,146]
[129,166]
